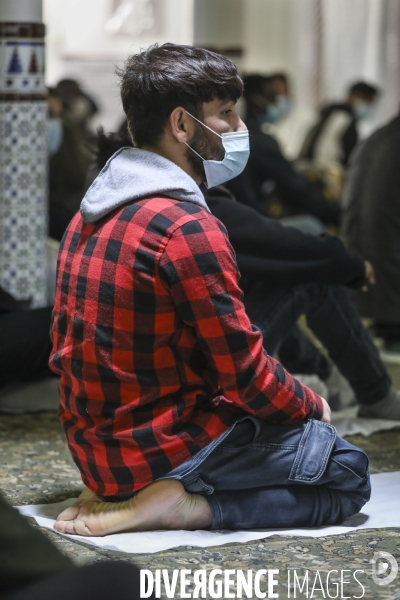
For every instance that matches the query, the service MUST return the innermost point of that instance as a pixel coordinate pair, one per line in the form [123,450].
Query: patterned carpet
[36,468]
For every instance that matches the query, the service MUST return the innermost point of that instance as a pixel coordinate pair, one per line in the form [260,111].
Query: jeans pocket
[197,485]
[313,452]
[241,437]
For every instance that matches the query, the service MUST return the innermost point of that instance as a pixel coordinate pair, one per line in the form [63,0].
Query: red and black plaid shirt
[155,351]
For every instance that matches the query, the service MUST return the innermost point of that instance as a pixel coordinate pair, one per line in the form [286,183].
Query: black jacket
[282,256]
[7,302]
[371,221]
[297,195]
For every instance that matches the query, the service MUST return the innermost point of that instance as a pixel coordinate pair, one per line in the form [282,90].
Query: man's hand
[326,415]
[369,276]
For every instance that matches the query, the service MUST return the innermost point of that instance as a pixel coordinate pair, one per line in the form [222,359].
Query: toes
[69,514]
[81,528]
[65,527]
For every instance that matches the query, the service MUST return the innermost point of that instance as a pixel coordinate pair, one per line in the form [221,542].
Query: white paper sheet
[381,511]
[347,423]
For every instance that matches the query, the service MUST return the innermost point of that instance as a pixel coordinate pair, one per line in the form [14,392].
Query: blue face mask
[362,110]
[272,114]
[55,135]
[237,150]
[284,105]
[277,110]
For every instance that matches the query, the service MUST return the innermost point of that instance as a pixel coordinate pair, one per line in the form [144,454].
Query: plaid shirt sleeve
[198,268]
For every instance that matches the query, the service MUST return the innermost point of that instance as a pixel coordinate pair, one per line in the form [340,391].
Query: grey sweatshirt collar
[131,174]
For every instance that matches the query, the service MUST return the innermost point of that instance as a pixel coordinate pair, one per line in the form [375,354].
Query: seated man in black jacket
[267,168]
[285,274]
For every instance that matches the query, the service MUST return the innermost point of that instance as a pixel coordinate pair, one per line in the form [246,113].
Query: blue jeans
[264,475]
[335,322]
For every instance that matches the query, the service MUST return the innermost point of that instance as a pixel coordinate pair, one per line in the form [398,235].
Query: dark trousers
[335,322]
[390,332]
[25,345]
[270,476]
[299,355]
[101,581]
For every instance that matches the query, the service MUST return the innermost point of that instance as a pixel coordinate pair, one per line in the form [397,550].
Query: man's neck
[175,155]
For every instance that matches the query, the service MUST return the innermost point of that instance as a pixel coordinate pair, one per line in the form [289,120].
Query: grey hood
[131,174]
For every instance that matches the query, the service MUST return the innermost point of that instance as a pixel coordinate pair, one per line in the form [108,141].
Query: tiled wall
[23,162]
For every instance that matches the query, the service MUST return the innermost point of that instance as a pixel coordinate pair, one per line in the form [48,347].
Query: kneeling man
[174,413]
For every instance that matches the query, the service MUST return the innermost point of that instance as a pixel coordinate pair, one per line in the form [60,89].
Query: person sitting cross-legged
[174,413]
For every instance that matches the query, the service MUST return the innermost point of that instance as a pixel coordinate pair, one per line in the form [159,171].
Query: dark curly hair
[157,80]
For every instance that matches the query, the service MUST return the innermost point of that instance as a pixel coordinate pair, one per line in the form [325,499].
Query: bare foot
[163,504]
[69,514]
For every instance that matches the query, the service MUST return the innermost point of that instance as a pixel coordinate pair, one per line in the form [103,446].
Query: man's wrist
[317,408]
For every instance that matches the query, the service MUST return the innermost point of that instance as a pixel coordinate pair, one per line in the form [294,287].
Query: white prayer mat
[381,511]
[346,422]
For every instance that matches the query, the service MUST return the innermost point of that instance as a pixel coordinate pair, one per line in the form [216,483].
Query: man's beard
[208,145]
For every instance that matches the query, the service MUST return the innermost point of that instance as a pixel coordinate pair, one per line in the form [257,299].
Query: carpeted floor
[36,468]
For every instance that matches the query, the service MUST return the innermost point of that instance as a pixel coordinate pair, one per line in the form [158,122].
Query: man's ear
[180,124]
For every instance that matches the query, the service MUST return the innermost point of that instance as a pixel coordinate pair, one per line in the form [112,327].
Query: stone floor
[36,468]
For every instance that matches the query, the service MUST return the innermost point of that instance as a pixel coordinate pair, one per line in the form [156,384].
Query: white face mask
[237,150]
